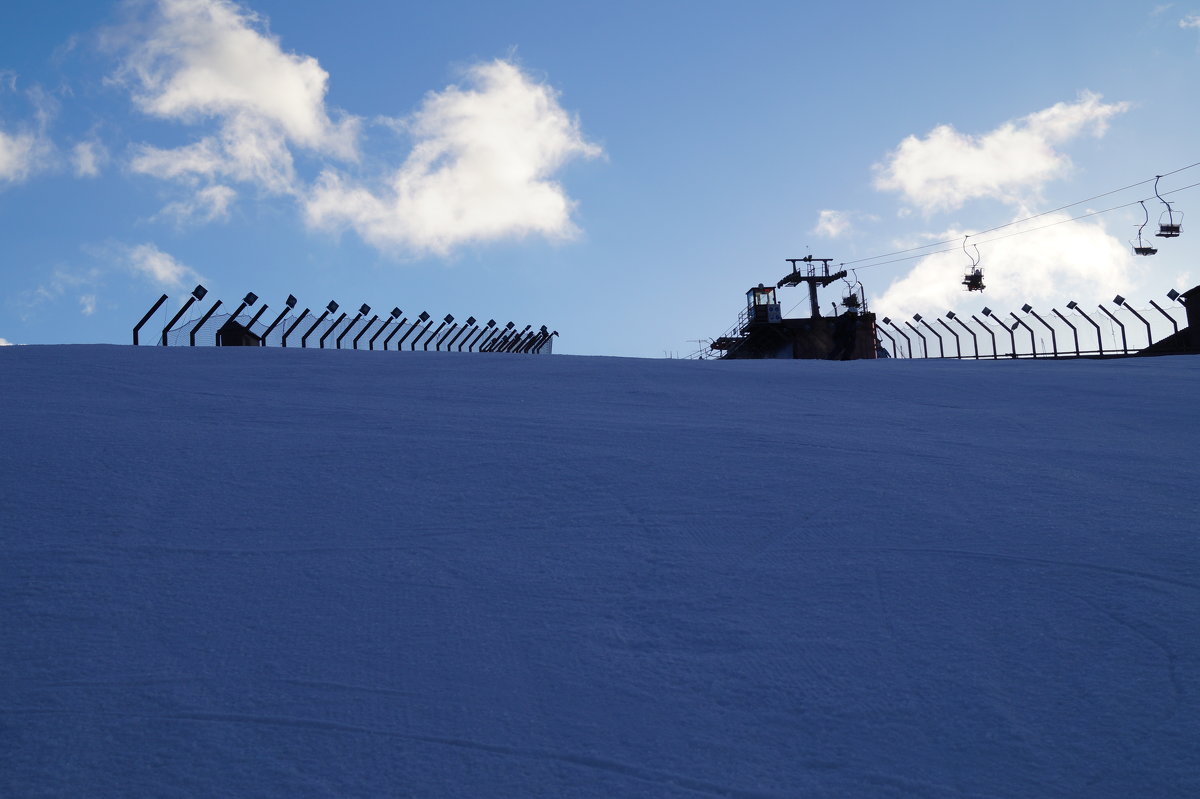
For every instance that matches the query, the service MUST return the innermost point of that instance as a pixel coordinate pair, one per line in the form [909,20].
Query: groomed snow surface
[300,573]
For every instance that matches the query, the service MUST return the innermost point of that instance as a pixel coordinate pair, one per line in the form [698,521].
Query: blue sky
[621,172]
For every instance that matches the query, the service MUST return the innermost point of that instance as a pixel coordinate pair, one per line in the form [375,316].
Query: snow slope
[300,573]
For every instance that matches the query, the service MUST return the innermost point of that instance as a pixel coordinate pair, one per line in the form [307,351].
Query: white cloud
[481,169]
[65,281]
[832,224]
[947,168]
[1190,21]
[21,154]
[5,342]
[1072,260]
[161,268]
[87,304]
[87,157]
[206,205]
[198,60]
[26,150]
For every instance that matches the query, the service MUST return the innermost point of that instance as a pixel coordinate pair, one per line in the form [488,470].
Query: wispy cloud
[64,281]
[832,224]
[481,169]
[5,342]
[161,268]
[87,157]
[1190,21]
[25,149]
[946,168]
[21,155]
[208,204]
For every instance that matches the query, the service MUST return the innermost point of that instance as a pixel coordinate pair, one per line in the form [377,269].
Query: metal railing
[1053,334]
[331,331]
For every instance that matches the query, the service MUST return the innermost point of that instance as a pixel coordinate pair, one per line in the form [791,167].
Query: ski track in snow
[301,573]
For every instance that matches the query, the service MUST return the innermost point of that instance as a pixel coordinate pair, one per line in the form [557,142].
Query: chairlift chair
[1142,248]
[973,279]
[1173,225]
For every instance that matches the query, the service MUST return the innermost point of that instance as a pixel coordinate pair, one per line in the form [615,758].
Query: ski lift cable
[1030,218]
[1014,233]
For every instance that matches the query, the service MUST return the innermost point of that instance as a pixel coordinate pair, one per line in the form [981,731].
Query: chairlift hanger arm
[795,279]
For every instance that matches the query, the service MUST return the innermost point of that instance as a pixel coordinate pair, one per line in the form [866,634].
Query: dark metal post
[146,318]
[879,329]
[1124,342]
[288,332]
[957,344]
[200,324]
[374,319]
[254,319]
[197,295]
[553,333]
[421,318]
[532,339]
[175,318]
[288,305]
[490,324]
[1012,334]
[447,319]
[333,327]
[337,342]
[1027,308]
[1032,335]
[515,340]
[543,334]
[248,300]
[1074,332]
[527,341]
[990,332]
[907,340]
[941,347]
[1074,306]
[513,335]
[466,326]
[446,335]
[924,343]
[399,327]
[1170,318]
[491,338]
[371,343]
[1119,300]
[363,310]
[496,342]
[413,347]
[519,340]
[467,332]
[330,308]
[963,325]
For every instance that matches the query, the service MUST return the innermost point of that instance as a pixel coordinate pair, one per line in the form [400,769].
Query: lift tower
[811,276]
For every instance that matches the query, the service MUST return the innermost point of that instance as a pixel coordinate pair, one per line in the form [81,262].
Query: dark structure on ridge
[762,332]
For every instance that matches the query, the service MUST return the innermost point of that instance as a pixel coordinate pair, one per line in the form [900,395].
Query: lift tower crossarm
[811,277]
